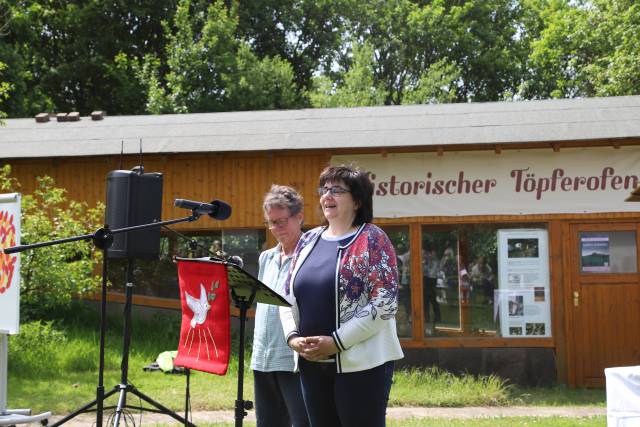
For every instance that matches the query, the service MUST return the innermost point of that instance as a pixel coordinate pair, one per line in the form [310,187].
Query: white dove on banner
[200,307]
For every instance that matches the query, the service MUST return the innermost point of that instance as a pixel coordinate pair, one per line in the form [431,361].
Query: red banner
[205,334]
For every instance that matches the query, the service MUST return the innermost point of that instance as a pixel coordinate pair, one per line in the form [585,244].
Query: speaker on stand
[133,198]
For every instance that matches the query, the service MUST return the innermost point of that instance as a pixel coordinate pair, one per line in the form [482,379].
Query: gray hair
[283,197]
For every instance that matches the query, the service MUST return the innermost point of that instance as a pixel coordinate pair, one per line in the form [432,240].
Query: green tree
[584,48]
[210,69]
[4,91]
[439,51]
[437,85]
[60,54]
[51,276]
[305,33]
[358,87]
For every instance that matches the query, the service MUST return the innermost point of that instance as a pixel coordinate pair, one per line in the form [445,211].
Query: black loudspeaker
[134,198]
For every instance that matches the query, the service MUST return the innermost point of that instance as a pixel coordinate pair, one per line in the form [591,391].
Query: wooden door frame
[571,267]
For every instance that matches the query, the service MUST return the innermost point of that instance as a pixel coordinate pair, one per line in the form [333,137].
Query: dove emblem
[200,307]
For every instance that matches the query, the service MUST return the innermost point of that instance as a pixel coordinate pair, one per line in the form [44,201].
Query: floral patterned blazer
[366,298]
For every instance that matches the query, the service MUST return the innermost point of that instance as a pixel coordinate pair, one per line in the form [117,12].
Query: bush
[34,349]
[51,276]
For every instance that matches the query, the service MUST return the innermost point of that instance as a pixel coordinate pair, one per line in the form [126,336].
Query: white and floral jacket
[366,298]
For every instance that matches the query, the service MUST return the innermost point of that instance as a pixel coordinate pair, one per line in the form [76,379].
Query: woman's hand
[318,348]
[298,344]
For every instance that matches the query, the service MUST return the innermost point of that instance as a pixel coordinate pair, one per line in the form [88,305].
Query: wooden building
[517,252]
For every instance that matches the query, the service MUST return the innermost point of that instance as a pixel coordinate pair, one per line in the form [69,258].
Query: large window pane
[460,274]
[399,236]
[608,252]
[159,278]
[441,302]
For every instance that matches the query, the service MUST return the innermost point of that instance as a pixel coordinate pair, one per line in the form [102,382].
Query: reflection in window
[399,236]
[608,252]
[159,278]
[440,278]
[460,276]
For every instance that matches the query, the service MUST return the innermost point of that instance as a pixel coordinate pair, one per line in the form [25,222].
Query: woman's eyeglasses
[335,191]
[276,223]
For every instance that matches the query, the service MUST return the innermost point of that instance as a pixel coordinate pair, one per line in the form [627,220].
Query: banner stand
[245,290]
[13,416]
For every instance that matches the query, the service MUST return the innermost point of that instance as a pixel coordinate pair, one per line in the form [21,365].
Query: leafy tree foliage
[60,54]
[586,48]
[198,56]
[52,275]
[438,51]
[210,69]
[358,87]
[4,91]
[305,33]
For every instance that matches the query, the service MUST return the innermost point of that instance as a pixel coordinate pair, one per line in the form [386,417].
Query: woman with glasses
[278,396]
[343,287]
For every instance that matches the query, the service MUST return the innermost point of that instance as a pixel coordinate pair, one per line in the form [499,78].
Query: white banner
[535,181]
[9,264]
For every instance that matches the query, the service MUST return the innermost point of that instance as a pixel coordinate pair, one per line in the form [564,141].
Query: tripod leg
[85,408]
[187,397]
[122,401]
[163,409]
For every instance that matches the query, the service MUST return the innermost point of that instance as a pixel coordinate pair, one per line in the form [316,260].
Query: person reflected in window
[449,273]
[216,250]
[430,268]
[344,295]
[482,278]
[278,396]
[404,287]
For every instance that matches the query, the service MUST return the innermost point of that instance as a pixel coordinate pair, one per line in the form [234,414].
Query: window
[399,236]
[159,278]
[462,294]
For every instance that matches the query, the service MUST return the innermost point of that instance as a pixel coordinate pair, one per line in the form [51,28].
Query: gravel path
[148,418]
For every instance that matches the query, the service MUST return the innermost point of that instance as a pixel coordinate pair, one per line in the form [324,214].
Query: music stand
[245,290]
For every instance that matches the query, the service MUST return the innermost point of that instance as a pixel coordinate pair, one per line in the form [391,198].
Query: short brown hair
[358,183]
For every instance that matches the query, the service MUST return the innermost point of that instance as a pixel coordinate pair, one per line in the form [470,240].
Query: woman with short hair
[343,287]
[277,392]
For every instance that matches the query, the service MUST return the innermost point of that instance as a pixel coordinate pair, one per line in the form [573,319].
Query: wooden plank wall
[240,180]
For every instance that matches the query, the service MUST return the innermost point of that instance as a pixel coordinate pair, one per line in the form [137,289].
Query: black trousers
[429,298]
[278,398]
[354,399]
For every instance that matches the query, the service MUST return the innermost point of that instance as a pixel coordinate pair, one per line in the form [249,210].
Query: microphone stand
[102,239]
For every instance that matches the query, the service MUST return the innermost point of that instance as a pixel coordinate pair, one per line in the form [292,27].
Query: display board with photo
[522,298]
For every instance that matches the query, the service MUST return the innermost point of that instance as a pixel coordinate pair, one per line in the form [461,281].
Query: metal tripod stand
[102,239]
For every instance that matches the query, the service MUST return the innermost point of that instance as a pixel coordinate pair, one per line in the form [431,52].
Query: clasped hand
[314,348]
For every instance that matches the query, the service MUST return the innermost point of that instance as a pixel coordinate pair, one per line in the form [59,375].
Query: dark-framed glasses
[276,223]
[335,190]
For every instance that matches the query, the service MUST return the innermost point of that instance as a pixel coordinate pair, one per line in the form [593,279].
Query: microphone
[216,209]
[235,260]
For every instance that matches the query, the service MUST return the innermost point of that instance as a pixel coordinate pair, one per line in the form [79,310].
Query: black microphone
[216,209]
[236,260]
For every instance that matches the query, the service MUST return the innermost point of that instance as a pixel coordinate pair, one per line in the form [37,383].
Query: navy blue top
[315,287]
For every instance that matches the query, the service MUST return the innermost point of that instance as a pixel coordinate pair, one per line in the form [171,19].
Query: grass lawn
[54,367]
